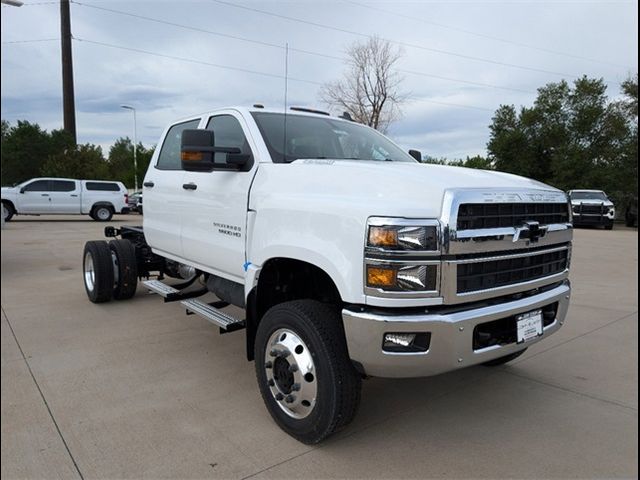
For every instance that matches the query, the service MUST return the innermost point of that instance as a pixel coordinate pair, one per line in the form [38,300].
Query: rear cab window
[62,185]
[229,133]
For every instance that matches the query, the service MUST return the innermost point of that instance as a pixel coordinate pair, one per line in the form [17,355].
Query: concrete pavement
[137,389]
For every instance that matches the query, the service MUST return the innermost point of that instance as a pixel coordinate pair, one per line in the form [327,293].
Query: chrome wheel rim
[291,373]
[89,272]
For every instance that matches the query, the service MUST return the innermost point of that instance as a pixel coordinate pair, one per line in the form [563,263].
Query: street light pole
[135,146]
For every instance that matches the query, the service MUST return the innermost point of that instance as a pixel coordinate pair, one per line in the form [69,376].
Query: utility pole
[68,101]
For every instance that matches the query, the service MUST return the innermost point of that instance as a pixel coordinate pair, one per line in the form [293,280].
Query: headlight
[402,257]
[403,237]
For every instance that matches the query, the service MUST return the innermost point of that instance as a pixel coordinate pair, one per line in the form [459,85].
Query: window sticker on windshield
[319,161]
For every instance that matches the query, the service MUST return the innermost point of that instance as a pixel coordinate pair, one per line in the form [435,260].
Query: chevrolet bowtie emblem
[531,231]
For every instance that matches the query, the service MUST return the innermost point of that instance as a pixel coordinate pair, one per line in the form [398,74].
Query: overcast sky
[467,58]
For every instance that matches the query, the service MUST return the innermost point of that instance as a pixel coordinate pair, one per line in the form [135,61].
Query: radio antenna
[286,85]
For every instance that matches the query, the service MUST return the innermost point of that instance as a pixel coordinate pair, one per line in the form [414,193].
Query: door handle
[148,184]
[44,194]
[74,195]
[189,186]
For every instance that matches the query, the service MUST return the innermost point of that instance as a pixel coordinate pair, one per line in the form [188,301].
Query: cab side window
[169,157]
[228,133]
[62,186]
[38,186]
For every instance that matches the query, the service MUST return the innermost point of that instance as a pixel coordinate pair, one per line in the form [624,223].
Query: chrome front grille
[474,216]
[502,242]
[479,274]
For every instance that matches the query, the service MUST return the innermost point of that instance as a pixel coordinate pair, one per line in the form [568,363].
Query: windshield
[318,137]
[588,196]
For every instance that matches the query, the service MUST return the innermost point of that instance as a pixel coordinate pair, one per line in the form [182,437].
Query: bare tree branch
[370,88]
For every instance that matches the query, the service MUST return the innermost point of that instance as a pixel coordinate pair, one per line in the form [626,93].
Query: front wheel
[306,378]
[7,212]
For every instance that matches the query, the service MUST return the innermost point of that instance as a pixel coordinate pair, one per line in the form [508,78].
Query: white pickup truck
[65,196]
[349,258]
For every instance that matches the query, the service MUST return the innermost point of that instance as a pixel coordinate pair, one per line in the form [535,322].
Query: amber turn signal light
[191,156]
[381,276]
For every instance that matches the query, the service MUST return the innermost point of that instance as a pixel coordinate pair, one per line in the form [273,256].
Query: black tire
[8,212]
[126,265]
[338,385]
[608,226]
[97,269]
[102,213]
[502,360]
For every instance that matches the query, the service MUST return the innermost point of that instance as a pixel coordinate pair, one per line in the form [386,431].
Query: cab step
[162,289]
[212,314]
[172,294]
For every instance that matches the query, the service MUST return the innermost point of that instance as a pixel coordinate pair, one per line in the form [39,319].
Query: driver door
[35,197]
[214,204]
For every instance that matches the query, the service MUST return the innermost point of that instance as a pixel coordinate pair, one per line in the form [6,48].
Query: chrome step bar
[212,314]
[162,289]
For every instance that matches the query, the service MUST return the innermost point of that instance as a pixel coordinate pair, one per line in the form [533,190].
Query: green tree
[572,137]
[121,161]
[85,162]
[25,149]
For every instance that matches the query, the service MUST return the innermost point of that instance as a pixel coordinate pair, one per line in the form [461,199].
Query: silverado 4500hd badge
[230,230]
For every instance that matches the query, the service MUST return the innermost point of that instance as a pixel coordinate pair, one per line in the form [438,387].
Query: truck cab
[350,258]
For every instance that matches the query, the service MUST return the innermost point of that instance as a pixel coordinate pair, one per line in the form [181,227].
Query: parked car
[64,196]
[592,207]
[135,202]
[349,257]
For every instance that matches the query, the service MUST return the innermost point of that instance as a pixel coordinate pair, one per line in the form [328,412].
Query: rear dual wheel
[109,270]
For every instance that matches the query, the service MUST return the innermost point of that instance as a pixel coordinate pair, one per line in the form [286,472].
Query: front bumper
[451,345]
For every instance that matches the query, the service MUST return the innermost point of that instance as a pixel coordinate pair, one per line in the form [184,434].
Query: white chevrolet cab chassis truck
[349,258]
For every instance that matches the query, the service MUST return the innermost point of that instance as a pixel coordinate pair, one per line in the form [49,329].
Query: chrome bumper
[451,345]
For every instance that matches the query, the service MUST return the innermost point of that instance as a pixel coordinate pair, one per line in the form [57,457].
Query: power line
[483,35]
[245,70]
[403,44]
[281,47]
[202,30]
[31,41]
[448,104]
[192,60]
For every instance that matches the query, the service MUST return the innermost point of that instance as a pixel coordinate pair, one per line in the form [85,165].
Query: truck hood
[384,188]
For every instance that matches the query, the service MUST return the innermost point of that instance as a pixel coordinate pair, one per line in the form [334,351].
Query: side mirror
[23,189]
[417,154]
[197,152]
